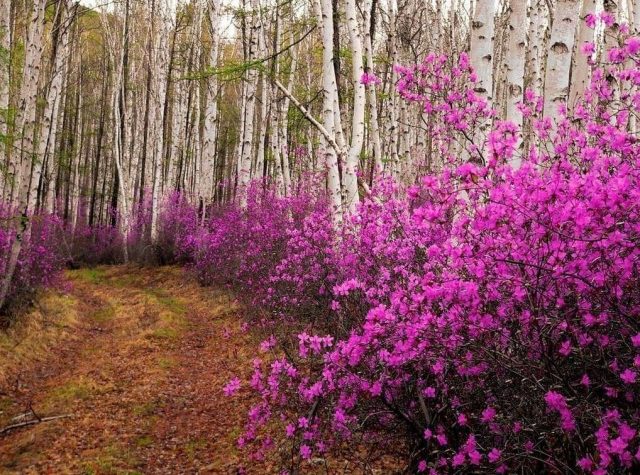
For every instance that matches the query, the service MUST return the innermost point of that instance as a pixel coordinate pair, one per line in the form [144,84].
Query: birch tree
[28,164]
[5,49]
[210,130]
[563,31]
[49,123]
[514,59]
[357,122]
[249,93]
[482,48]
[161,29]
[329,87]
[580,69]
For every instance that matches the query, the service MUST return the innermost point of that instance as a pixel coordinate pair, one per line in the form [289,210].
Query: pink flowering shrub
[178,222]
[40,260]
[93,245]
[275,253]
[488,321]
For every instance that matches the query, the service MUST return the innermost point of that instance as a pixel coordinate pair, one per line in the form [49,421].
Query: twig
[11,427]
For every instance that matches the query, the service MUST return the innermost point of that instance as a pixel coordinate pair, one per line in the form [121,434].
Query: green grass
[124,281]
[166,363]
[167,301]
[103,314]
[91,275]
[194,446]
[114,459]
[72,391]
[146,409]
[165,333]
[144,441]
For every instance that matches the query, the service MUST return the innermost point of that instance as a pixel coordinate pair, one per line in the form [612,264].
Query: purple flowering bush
[485,320]
[272,253]
[39,262]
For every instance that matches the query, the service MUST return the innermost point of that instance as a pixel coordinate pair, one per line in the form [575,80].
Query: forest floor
[134,360]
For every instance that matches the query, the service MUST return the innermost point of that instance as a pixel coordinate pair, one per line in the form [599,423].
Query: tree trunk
[350,174]
[563,32]
[30,166]
[244,168]
[211,107]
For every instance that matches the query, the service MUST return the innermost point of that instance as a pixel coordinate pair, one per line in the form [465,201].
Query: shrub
[39,262]
[488,321]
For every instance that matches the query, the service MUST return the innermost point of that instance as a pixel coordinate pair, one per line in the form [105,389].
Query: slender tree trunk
[374,130]
[329,103]
[49,122]
[581,69]
[211,107]
[482,49]
[5,48]
[359,100]
[30,165]
[563,32]
[244,169]
[160,69]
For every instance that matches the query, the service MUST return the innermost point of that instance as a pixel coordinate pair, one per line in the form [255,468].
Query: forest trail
[139,366]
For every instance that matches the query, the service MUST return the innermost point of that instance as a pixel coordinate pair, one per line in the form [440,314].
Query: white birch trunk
[244,170]
[5,48]
[211,107]
[482,50]
[537,48]
[159,91]
[350,172]
[514,60]
[563,31]
[50,117]
[264,125]
[283,128]
[30,166]
[329,103]
[371,91]
[581,69]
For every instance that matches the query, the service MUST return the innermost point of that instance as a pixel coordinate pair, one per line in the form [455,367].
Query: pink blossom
[232,387]
[628,376]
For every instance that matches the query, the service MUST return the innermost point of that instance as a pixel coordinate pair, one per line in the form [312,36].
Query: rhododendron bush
[483,320]
[38,264]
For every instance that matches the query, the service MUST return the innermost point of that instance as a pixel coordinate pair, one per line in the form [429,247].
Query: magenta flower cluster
[39,261]
[484,320]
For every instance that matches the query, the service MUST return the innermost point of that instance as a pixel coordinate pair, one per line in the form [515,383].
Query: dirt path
[139,369]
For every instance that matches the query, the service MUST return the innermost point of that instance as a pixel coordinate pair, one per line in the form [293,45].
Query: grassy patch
[165,333]
[93,275]
[79,389]
[73,390]
[103,314]
[123,281]
[31,338]
[113,460]
[167,301]
[193,447]
[146,409]
[144,441]
[167,363]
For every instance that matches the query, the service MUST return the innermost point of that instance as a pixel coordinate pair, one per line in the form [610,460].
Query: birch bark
[350,173]
[563,32]
[244,169]
[29,165]
[5,49]
[210,131]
